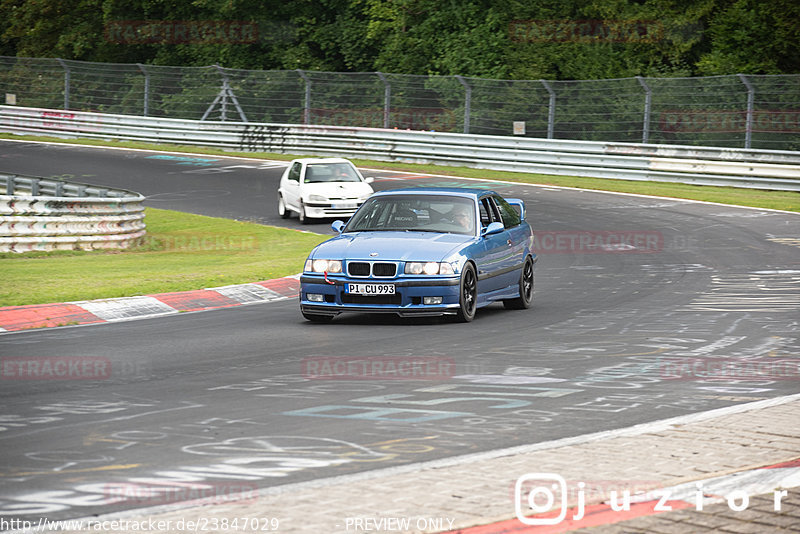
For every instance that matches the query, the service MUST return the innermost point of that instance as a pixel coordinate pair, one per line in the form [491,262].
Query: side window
[487,204]
[507,212]
[487,212]
[294,174]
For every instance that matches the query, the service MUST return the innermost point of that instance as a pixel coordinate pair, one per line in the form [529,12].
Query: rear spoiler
[518,205]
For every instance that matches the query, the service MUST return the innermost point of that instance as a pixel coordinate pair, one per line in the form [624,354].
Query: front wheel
[302,216]
[469,294]
[525,288]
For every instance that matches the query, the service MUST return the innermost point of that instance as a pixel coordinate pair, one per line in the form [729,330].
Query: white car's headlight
[317,198]
[323,266]
[429,267]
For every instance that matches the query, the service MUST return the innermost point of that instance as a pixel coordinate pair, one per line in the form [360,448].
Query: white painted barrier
[31,221]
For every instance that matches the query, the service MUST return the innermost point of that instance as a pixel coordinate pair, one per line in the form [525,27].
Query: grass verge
[758,198]
[181,252]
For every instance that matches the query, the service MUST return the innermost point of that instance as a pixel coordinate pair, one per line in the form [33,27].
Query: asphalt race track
[620,333]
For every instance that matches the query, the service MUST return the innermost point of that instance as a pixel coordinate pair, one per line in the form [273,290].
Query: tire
[525,288]
[468,299]
[302,215]
[317,318]
[282,211]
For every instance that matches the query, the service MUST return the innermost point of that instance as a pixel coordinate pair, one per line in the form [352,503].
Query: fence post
[146,89]
[467,101]
[387,96]
[751,96]
[66,82]
[551,112]
[648,101]
[307,104]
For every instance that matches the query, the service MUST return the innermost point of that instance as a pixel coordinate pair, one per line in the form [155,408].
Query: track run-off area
[645,309]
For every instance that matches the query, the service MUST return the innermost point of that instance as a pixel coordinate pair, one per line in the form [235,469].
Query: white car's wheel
[303,217]
[282,211]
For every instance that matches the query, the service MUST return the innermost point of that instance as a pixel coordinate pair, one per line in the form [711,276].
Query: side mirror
[493,228]
[338,226]
[369,180]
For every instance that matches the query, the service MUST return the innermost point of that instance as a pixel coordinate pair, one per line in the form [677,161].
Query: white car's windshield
[430,213]
[330,172]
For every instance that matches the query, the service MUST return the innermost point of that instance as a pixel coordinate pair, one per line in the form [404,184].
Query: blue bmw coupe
[425,251]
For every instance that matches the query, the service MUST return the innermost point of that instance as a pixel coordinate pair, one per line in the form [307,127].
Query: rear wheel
[525,288]
[469,294]
[282,211]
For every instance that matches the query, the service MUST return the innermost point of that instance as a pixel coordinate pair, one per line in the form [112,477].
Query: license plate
[345,205]
[370,289]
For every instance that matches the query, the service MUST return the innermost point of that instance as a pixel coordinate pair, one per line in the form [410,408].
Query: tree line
[501,39]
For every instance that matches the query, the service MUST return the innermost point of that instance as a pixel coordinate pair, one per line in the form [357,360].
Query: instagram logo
[540,491]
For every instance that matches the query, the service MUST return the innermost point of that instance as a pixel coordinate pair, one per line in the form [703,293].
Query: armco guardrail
[761,169]
[42,214]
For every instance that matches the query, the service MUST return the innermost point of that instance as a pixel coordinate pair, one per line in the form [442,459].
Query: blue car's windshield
[429,213]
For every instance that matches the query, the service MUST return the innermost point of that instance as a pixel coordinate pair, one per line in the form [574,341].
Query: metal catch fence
[734,111]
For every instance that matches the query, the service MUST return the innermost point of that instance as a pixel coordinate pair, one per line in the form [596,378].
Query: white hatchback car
[321,187]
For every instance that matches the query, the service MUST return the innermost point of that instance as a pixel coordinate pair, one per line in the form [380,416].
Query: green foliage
[510,39]
[754,37]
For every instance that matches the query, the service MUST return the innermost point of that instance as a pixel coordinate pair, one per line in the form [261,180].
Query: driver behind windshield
[460,215]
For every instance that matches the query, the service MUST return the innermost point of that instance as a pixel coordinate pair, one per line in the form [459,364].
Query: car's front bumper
[408,299]
[325,211]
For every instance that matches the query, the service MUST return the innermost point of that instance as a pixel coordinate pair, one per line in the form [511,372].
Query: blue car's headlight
[323,266]
[429,267]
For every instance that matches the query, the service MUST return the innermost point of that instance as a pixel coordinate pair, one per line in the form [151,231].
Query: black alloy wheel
[469,294]
[525,288]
